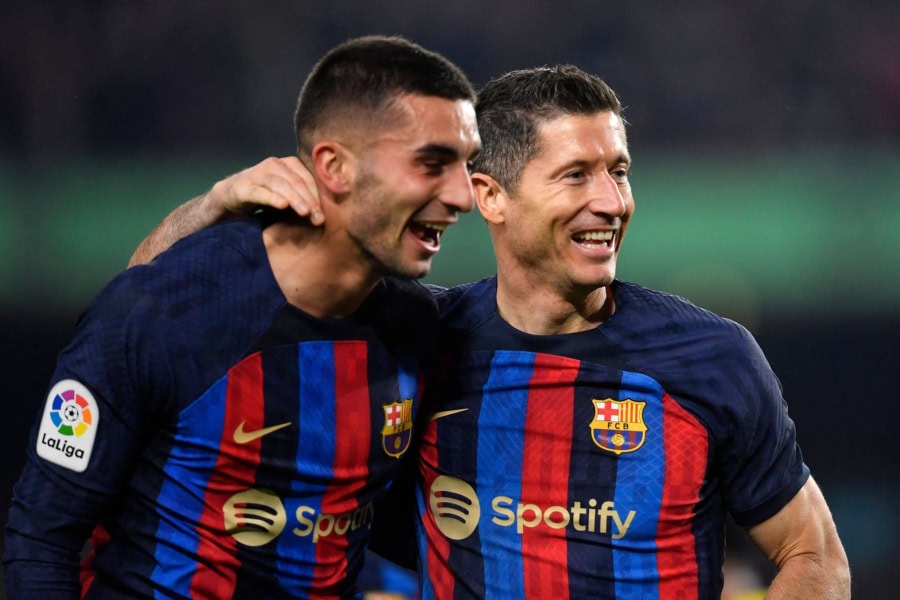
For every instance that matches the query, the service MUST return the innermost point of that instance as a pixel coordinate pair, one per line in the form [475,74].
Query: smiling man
[226,417]
[594,433]
[591,434]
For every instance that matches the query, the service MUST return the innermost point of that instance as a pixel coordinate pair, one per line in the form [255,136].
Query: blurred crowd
[205,79]
[202,77]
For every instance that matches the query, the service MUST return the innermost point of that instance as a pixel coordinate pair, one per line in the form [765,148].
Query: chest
[554,443]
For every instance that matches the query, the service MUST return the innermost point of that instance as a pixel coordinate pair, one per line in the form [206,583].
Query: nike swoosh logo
[446,413]
[245,437]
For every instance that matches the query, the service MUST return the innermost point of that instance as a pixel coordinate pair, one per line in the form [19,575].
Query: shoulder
[215,280]
[641,312]
[403,305]
[225,251]
[467,304]
[692,352]
[406,298]
[408,289]
[224,267]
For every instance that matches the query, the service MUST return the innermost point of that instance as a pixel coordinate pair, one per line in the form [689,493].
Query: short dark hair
[362,76]
[510,108]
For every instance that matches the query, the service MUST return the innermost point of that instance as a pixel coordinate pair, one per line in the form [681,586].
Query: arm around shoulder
[188,218]
[802,540]
[280,183]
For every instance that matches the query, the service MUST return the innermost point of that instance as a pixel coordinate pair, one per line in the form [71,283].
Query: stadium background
[766,139]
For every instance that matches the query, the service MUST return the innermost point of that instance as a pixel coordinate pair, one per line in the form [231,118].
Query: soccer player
[225,417]
[592,434]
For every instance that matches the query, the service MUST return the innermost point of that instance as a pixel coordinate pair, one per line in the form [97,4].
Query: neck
[545,311]
[316,272]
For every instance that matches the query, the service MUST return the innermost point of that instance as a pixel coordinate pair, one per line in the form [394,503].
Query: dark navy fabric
[240,442]
[597,464]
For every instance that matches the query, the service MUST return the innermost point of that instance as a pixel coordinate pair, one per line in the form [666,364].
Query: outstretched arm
[276,182]
[802,540]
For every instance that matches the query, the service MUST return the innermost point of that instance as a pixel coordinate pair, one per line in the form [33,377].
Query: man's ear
[334,165]
[490,197]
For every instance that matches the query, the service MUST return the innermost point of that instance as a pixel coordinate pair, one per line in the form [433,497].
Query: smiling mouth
[595,238]
[429,232]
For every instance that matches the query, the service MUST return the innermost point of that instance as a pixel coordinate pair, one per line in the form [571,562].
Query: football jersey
[225,443]
[597,464]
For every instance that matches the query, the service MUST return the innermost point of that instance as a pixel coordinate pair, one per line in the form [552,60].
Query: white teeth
[436,226]
[594,236]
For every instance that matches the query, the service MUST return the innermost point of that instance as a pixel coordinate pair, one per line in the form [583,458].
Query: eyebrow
[448,153]
[623,159]
[438,149]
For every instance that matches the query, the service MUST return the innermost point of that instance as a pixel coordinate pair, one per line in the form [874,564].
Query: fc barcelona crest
[618,426]
[398,423]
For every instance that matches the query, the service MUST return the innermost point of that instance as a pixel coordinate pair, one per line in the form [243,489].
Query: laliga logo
[69,426]
[70,413]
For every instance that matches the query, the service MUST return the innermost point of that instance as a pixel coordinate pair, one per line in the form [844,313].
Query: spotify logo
[254,517]
[457,511]
[454,506]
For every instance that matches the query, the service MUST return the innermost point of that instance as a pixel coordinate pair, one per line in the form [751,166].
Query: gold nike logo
[245,437]
[446,413]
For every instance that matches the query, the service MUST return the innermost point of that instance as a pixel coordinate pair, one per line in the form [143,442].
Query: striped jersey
[217,441]
[598,464]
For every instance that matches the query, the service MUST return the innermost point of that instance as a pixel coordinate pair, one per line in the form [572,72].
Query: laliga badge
[68,426]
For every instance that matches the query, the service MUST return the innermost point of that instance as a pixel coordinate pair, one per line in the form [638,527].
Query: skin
[424,156]
[382,200]
[550,281]
[802,541]
[278,182]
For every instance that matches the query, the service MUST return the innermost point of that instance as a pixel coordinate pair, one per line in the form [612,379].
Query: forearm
[803,542]
[279,183]
[191,216]
[807,578]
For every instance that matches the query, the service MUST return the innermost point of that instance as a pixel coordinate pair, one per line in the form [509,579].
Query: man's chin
[416,270]
[596,280]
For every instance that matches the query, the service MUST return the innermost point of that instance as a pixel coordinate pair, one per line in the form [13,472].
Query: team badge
[69,425]
[618,426]
[397,431]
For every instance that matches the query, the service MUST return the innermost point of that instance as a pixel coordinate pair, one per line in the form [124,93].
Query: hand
[275,182]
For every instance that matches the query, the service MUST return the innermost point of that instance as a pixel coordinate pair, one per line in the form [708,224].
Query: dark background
[785,113]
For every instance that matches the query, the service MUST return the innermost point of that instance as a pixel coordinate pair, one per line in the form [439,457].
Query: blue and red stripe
[438,580]
[687,448]
[501,443]
[209,421]
[352,431]
[546,462]
[535,455]
[639,487]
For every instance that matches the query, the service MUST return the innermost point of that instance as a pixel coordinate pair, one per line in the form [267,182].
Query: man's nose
[607,197]
[458,192]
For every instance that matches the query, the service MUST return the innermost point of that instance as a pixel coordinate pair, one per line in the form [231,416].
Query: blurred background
[765,135]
